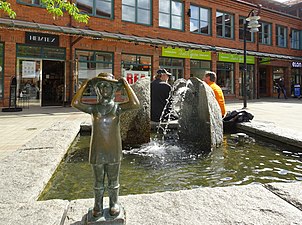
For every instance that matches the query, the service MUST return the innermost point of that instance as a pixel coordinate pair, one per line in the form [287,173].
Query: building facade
[50,57]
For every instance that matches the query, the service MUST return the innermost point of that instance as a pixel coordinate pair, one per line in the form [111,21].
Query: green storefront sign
[265,60]
[234,58]
[183,53]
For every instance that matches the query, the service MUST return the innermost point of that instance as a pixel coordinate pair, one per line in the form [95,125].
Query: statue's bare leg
[113,172]
[99,175]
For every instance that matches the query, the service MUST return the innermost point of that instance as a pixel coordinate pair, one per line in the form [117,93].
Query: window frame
[298,41]
[209,20]
[249,38]
[31,4]
[224,25]
[94,9]
[278,35]
[170,14]
[261,33]
[136,8]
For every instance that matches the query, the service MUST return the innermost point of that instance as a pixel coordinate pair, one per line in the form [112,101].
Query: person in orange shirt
[210,78]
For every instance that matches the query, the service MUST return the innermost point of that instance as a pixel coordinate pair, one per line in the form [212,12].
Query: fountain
[200,120]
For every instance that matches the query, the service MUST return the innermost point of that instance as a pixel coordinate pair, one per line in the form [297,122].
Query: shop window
[171,14]
[99,8]
[200,20]
[281,36]
[1,69]
[265,33]
[135,67]
[249,80]
[249,35]
[31,2]
[92,63]
[137,11]
[29,51]
[225,77]
[224,25]
[199,67]
[296,79]
[277,74]
[174,66]
[296,39]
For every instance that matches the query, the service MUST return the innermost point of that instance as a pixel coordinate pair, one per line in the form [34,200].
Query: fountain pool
[168,166]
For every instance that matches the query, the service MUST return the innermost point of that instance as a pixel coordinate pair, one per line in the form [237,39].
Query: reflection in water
[158,167]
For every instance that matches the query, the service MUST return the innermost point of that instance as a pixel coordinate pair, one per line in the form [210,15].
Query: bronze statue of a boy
[105,145]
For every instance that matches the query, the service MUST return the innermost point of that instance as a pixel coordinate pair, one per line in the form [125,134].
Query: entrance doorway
[52,83]
[263,81]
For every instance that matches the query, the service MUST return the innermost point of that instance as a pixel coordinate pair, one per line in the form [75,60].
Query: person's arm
[133,102]
[77,99]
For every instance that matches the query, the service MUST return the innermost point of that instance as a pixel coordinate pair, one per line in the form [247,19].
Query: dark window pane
[85,6]
[219,30]
[103,8]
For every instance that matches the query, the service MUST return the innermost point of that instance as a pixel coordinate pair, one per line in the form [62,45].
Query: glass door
[29,80]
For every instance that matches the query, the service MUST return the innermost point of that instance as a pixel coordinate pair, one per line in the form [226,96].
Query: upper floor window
[224,25]
[249,35]
[265,33]
[281,36]
[296,39]
[101,8]
[31,2]
[137,11]
[200,20]
[171,14]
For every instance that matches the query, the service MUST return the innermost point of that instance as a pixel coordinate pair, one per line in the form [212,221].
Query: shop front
[226,74]
[173,59]
[136,67]
[40,70]
[296,78]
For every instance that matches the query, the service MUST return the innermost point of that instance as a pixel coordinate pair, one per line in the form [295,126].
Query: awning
[18,24]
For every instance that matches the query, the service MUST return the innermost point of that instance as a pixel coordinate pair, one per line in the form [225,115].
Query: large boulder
[135,125]
[200,120]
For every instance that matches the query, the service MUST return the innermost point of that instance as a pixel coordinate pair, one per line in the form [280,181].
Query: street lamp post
[252,19]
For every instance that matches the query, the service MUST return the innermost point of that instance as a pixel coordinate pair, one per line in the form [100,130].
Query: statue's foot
[97,213]
[114,210]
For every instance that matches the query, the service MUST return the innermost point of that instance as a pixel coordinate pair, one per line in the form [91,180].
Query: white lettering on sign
[296,64]
[42,39]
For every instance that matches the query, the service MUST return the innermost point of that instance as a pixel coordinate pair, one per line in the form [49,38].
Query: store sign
[234,58]
[133,76]
[265,60]
[41,39]
[183,53]
[297,64]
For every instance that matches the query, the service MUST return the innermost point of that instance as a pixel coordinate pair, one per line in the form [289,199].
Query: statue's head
[107,76]
[106,86]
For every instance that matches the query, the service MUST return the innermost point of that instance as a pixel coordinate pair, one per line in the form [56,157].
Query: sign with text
[133,76]
[183,53]
[297,64]
[28,69]
[41,39]
[234,58]
[265,60]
